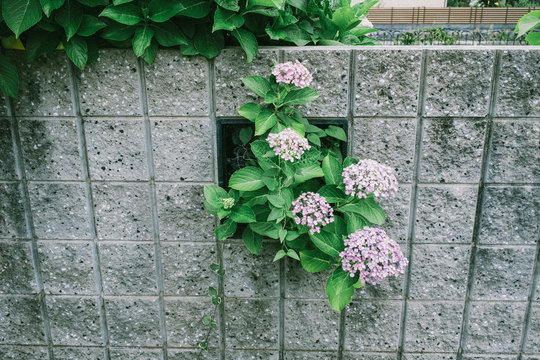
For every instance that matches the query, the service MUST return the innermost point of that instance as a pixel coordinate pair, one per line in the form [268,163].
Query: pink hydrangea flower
[372,254]
[288,144]
[292,73]
[368,176]
[315,211]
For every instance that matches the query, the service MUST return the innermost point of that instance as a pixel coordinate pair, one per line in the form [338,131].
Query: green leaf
[282,235]
[168,34]
[328,243]
[212,291]
[196,9]
[206,320]
[269,229]
[358,284]
[355,222]
[293,254]
[528,22]
[120,2]
[243,214]
[225,230]
[93,50]
[9,77]
[264,121]
[314,139]
[252,240]
[257,84]
[50,5]
[207,43]
[340,289]
[226,20]
[279,255]
[332,193]
[344,17]
[21,15]
[77,51]
[315,260]
[308,171]
[368,208]
[213,325]
[245,134]
[70,17]
[94,3]
[127,14]
[336,132]
[247,179]
[349,161]
[262,10]
[117,32]
[162,10]
[214,267]
[247,41]
[300,96]
[216,300]
[332,170]
[231,5]
[90,25]
[203,345]
[150,53]
[142,39]
[39,42]
[214,195]
[250,111]
[278,4]
[533,38]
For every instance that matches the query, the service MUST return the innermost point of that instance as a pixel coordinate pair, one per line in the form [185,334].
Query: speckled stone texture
[111,85]
[388,141]
[515,152]
[397,213]
[12,221]
[21,320]
[503,273]
[181,212]
[123,211]
[251,323]
[177,85]
[50,149]
[302,284]
[26,352]
[116,149]
[429,356]
[312,355]
[183,150]
[177,354]
[433,326]
[507,215]
[251,355]
[59,210]
[128,269]
[74,321]
[79,353]
[533,338]
[458,83]
[330,81]
[44,85]
[365,321]
[518,93]
[315,315]
[132,321]
[229,69]
[7,158]
[439,272]
[350,355]
[436,223]
[249,275]
[491,357]
[136,354]
[387,82]
[67,268]
[452,150]
[185,268]
[16,269]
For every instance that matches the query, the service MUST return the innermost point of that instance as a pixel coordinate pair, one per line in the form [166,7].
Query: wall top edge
[401,47]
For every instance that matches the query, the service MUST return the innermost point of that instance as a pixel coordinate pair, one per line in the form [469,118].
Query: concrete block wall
[105,243]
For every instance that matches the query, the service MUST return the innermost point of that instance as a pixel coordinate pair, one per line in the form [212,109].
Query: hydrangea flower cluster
[368,176]
[315,211]
[292,73]
[288,144]
[373,254]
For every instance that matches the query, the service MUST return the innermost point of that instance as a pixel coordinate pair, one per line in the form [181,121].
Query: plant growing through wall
[299,191]
[527,24]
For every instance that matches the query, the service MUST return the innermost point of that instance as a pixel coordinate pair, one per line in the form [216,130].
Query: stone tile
[74,321]
[312,355]
[79,353]
[515,152]
[503,273]
[489,357]
[128,269]
[60,211]
[429,356]
[116,149]
[316,315]
[533,357]
[175,354]
[532,344]
[439,272]
[51,149]
[67,268]
[494,327]
[330,81]
[518,93]
[16,269]
[249,275]
[251,323]
[350,355]
[123,211]
[230,67]
[7,158]
[44,85]
[388,141]
[3,107]
[372,326]
[452,150]
[252,355]
[133,321]
[458,83]
[445,214]
[138,354]
[177,85]
[433,327]
[507,213]
[387,82]
[26,353]
[12,220]
[183,318]
[111,85]
[397,213]
[183,150]
[186,268]
[181,213]
[20,317]
[303,284]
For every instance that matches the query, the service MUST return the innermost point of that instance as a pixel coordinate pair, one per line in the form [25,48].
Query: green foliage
[425,36]
[527,24]
[209,321]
